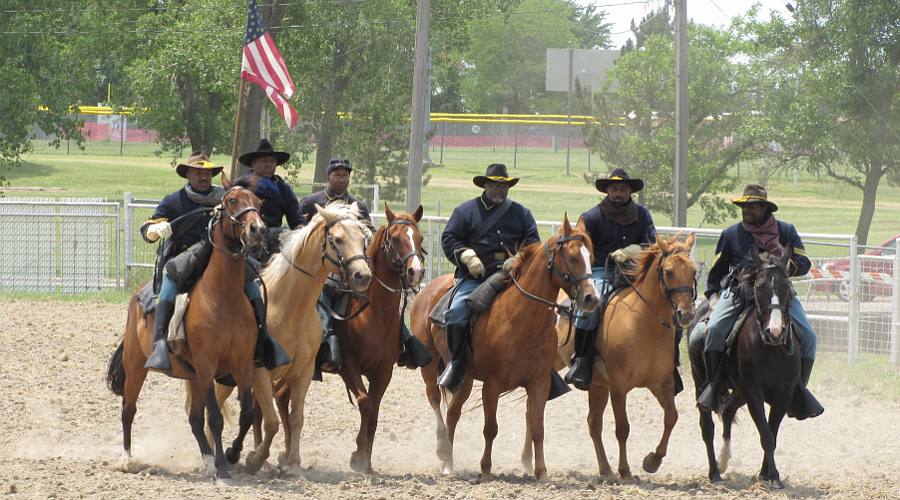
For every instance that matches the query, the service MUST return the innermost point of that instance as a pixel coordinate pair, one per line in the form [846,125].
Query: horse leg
[216,424]
[622,430]
[758,412]
[262,388]
[708,431]
[298,386]
[283,403]
[732,405]
[769,470]
[490,396]
[454,411]
[134,382]
[598,396]
[433,392]
[377,386]
[537,400]
[527,456]
[354,383]
[195,417]
[665,395]
[245,421]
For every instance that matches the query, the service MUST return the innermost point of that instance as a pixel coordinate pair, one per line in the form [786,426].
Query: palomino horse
[220,329]
[766,357]
[513,343]
[334,241]
[635,342]
[370,341]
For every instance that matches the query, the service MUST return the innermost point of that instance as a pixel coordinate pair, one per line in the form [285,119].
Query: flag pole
[237,127]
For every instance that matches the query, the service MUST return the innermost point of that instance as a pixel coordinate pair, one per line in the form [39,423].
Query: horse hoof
[209,465]
[358,463]
[777,484]
[447,470]
[222,475]
[232,455]
[652,462]
[715,479]
[542,476]
[253,463]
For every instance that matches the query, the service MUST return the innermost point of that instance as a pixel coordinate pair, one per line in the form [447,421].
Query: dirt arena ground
[60,435]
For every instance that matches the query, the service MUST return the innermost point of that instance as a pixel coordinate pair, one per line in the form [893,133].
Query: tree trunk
[870,189]
[328,129]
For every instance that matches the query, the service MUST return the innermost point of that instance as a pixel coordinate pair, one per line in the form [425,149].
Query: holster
[480,299]
[187,267]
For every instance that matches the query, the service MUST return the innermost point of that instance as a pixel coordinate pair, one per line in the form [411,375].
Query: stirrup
[452,377]
[580,374]
[159,358]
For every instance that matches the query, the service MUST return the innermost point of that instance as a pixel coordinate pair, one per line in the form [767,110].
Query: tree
[590,27]
[656,22]
[833,106]
[635,126]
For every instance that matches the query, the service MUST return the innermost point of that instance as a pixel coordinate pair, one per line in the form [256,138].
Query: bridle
[338,260]
[765,335]
[397,260]
[237,226]
[669,292]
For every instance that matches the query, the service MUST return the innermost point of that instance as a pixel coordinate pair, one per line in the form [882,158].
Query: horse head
[239,216]
[344,245]
[402,245]
[569,257]
[678,276]
[771,291]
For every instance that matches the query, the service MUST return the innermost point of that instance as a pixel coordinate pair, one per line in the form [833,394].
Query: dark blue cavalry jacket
[308,204]
[609,236]
[514,230]
[280,205]
[735,245]
[170,208]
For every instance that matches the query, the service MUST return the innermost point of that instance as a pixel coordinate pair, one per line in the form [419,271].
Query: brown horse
[509,353]
[220,329]
[333,242]
[636,340]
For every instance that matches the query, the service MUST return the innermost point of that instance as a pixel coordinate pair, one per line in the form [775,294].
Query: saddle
[478,301]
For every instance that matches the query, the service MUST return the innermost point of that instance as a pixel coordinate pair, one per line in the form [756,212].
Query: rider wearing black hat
[618,227]
[338,180]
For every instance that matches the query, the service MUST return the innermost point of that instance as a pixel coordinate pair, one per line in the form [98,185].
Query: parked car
[875,274]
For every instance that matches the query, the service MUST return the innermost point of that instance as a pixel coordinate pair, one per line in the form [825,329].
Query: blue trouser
[458,314]
[726,312]
[590,321]
[168,290]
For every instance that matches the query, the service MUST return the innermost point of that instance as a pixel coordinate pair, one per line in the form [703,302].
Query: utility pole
[680,179]
[417,125]
[569,112]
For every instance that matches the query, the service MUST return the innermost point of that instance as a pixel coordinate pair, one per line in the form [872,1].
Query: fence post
[127,237]
[376,196]
[853,313]
[895,324]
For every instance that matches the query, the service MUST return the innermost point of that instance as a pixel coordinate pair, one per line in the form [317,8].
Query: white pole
[128,236]
[853,313]
[895,311]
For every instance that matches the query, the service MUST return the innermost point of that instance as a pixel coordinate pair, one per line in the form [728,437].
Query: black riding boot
[805,405]
[329,356]
[454,374]
[582,368]
[709,398]
[413,353]
[159,359]
[268,352]
[558,386]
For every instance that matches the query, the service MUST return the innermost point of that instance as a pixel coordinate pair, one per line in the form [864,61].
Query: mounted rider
[618,227]
[279,201]
[186,253]
[759,229]
[479,237]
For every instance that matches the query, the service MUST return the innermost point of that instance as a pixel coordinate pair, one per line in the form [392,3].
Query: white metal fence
[852,294]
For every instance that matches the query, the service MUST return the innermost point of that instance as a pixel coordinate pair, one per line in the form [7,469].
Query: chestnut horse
[513,343]
[766,357]
[635,342]
[334,241]
[219,326]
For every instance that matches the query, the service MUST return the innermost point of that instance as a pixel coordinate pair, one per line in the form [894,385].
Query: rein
[399,262]
[784,341]
[669,292]
[235,224]
[339,262]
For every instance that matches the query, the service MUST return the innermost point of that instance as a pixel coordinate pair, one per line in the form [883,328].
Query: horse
[219,326]
[506,355]
[334,241]
[635,342]
[764,364]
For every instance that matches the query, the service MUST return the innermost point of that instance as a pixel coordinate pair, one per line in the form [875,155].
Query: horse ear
[418,213]
[325,214]
[580,225]
[689,241]
[662,243]
[226,182]
[388,213]
[566,227]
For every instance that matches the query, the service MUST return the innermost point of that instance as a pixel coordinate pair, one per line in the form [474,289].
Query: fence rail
[73,246]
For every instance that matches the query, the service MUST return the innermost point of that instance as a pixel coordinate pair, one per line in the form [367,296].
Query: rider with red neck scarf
[759,228]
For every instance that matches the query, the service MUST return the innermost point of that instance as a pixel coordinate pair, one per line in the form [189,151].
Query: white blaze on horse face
[775,324]
[586,255]
[416,261]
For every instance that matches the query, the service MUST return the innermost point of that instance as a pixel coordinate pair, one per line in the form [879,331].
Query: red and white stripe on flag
[263,65]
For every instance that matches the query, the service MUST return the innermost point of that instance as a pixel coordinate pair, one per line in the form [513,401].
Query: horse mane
[641,267]
[525,254]
[293,241]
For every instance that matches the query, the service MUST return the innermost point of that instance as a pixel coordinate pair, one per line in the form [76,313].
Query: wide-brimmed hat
[496,172]
[199,161]
[336,163]
[754,193]
[264,149]
[618,175]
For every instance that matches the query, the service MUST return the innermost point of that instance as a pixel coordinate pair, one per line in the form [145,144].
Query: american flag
[263,65]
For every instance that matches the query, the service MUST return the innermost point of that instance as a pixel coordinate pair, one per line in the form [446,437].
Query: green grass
[110,296]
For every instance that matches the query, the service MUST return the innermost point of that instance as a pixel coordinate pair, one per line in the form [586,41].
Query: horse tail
[115,373]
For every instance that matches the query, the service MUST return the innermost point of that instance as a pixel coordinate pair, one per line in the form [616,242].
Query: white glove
[623,255]
[471,260]
[509,263]
[159,230]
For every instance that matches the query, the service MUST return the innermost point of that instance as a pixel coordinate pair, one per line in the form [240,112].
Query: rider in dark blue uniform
[188,254]
[758,228]
[618,227]
[477,256]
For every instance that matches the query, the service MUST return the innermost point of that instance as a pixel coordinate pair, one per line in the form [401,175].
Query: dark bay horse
[765,361]
[334,241]
[513,343]
[220,329]
[636,342]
